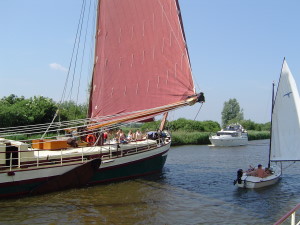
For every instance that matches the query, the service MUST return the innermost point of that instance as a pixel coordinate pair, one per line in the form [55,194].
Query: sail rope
[77,49]
[198,110]
[289,165]
[77,40]
[83,54]
[71,61]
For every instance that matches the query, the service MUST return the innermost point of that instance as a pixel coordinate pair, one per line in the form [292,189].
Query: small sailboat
[285,131]
[141,70]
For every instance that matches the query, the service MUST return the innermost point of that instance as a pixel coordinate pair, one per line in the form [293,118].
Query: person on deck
[105,136]
[122,137]
[130,136]
[138,135]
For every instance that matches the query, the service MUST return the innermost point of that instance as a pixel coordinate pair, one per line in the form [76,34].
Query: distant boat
[232,135]
[141,70]
[285,131]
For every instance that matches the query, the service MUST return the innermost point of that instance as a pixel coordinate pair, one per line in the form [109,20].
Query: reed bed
[258,135]
[190,138]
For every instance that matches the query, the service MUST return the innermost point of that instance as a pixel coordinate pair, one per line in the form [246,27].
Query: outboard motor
[239,175]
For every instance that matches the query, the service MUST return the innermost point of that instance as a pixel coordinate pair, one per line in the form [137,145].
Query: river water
[195,187]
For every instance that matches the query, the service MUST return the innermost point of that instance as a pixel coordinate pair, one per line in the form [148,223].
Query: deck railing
[291,214]
[38,160]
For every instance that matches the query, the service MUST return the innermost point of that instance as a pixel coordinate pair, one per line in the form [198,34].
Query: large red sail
[141,60]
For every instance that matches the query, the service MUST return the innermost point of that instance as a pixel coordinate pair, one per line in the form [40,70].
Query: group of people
[259,171]
[75,135]
[121,137]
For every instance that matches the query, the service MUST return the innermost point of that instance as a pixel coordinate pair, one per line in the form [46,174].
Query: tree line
[186,125]
[20,111]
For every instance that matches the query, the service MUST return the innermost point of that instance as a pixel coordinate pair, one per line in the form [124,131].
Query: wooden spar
[163,121]
[146,113]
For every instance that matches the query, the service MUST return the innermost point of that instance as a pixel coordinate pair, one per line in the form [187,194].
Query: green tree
[250,125]
[231,112]
[18,111]
[40,109]
[68,110]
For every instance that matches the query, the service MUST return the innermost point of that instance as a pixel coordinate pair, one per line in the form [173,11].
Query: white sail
[285,144]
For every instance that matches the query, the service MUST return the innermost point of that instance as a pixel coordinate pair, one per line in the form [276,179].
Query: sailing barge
[141,70]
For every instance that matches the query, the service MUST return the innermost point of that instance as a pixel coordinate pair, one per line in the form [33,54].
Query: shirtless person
[259,172]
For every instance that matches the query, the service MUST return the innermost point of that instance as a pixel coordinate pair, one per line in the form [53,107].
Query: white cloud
[56,66]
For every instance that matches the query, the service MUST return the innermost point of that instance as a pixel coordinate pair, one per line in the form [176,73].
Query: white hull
[257,182]
[227,140]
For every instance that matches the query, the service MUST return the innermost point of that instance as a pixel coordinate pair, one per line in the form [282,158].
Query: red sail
[141,60]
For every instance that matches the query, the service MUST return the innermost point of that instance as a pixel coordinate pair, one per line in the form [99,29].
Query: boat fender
[90,138]
[239,175]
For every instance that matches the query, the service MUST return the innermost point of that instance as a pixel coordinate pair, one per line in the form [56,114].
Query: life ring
[90,138]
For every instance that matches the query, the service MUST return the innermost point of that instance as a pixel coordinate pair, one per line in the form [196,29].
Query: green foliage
[19,111]
[190,125]
[151,125]
[188,138]
[258,135]
[266,126]
[186,125]
[69,110]
[250,125]
[41,109]
[231,112]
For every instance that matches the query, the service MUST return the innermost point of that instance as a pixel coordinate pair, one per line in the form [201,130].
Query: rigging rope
[198,110]
[70,64]
[290,165]
[78,47]
[83,54]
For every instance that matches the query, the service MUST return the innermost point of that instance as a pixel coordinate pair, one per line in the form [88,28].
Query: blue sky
[236,49]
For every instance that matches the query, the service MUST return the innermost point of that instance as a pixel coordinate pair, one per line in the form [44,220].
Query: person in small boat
[251,168]
[269,171]
[259,172]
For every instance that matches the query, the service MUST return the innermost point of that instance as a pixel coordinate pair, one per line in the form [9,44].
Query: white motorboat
[285,131]
[232,135]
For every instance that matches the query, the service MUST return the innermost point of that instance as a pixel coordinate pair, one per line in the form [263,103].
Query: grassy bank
[201,138]
[258,135]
